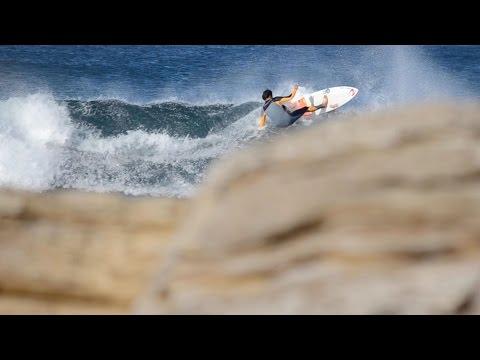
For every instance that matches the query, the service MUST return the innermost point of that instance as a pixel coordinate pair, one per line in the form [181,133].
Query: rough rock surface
[75,253]
[375,214]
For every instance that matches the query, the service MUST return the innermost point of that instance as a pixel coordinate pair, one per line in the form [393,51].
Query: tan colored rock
[376,214]
[30,303]
[74,252]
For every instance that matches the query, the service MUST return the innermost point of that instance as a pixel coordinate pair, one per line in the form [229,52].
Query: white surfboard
[337,97]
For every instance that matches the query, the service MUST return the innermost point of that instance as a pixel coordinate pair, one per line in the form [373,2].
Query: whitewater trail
[42,148]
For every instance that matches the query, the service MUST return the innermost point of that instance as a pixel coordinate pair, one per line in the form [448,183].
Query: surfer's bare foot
[323,104]
[325,101]
[334,106]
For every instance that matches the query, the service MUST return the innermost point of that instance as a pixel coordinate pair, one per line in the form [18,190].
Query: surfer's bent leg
[297,114]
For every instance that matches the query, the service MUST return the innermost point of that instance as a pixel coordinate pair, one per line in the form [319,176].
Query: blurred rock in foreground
[79,253]
[377,214]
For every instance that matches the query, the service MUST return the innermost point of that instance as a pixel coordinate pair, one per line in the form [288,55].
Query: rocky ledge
[73,252]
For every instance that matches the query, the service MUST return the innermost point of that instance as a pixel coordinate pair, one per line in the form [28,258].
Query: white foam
[27,126]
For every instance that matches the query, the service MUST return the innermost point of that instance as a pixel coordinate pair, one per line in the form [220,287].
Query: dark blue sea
[149,120]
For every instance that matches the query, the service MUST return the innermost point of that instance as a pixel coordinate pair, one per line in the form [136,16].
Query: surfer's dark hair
[266,94]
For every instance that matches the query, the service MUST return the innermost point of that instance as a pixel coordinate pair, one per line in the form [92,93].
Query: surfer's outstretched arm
[285,99]
[262,121]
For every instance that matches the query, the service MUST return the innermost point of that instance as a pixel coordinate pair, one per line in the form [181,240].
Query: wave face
[115,117]
[159,149]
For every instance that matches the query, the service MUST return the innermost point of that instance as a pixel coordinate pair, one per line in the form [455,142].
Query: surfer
[279,115]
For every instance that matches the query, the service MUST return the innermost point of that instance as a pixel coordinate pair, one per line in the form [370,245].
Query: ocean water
[149,120]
